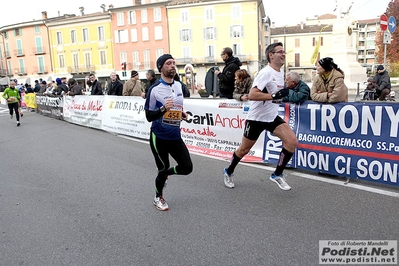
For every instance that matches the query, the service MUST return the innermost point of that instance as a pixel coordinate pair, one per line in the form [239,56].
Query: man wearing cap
[133,87]
[164,108]
[383,82]
[37,86]
[43,87]
[62,87]
[115,87]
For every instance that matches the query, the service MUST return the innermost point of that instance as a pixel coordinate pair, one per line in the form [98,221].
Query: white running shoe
[160,203]
[280,181]
[228,179]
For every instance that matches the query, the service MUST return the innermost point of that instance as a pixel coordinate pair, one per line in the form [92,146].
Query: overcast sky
[282,12]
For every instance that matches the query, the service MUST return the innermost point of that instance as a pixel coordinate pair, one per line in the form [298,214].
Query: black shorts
[253,129]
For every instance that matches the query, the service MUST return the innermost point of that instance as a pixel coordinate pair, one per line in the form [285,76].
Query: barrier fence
[354,139]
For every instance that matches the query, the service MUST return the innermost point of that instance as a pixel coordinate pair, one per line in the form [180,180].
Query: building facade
[200,29]
[82,45]
[140,36]
[367,32]
[24,51]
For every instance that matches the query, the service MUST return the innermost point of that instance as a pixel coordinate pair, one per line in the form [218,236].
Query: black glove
[281,94]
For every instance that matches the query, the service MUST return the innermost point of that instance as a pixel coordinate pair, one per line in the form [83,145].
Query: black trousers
[161,149]
[14,107]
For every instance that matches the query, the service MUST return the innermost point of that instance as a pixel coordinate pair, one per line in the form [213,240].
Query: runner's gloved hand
[281,94]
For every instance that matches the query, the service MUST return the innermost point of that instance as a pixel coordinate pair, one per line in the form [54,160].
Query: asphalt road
[70,195]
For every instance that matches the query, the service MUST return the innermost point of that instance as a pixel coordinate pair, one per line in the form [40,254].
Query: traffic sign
[383,22]
[387,38]
[392,24]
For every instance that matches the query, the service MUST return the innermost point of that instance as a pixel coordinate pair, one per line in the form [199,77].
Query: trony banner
[356,140]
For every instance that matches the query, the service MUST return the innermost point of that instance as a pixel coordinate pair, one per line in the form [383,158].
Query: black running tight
[161,149]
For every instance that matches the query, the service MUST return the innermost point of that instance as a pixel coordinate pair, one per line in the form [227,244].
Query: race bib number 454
[173,117]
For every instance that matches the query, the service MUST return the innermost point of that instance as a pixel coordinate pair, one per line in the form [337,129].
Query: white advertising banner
[84,110]
[126,115]
[215,128]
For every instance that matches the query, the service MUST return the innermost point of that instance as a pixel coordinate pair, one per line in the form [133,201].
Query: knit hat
[162,59]
[380,67]
[327,63]
[134,73]
[44,82]
[58,80]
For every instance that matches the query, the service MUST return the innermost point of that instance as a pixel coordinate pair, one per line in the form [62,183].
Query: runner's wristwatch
[162,108]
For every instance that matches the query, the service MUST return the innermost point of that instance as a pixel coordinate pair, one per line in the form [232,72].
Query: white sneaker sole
[278,184]
[227,184]
[156,206]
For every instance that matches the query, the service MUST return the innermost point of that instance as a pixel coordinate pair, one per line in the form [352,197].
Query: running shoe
[18,124]
[160,203]
[228,179]
[280,181]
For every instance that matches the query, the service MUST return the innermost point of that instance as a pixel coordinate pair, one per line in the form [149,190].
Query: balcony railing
[81,69]
[7,54]
[141,66]
[213,59]
[40,70]
[39,50]
[185,60]
[20,71]
[19,52]
[3,72]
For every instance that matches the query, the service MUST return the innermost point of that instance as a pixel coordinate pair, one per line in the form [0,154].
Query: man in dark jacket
[115,87]
[37,86]
[226,77]
[151,80]
[96,86]
[74,88]
[43,87]
[62,87]
[383,81]
[299,90]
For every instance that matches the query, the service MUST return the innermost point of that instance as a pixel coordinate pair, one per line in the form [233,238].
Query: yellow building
[200,29]
[82,45]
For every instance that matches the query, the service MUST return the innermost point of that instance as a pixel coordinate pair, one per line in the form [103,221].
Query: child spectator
[370,89]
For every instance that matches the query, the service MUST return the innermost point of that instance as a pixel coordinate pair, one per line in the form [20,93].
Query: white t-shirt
[273,81]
